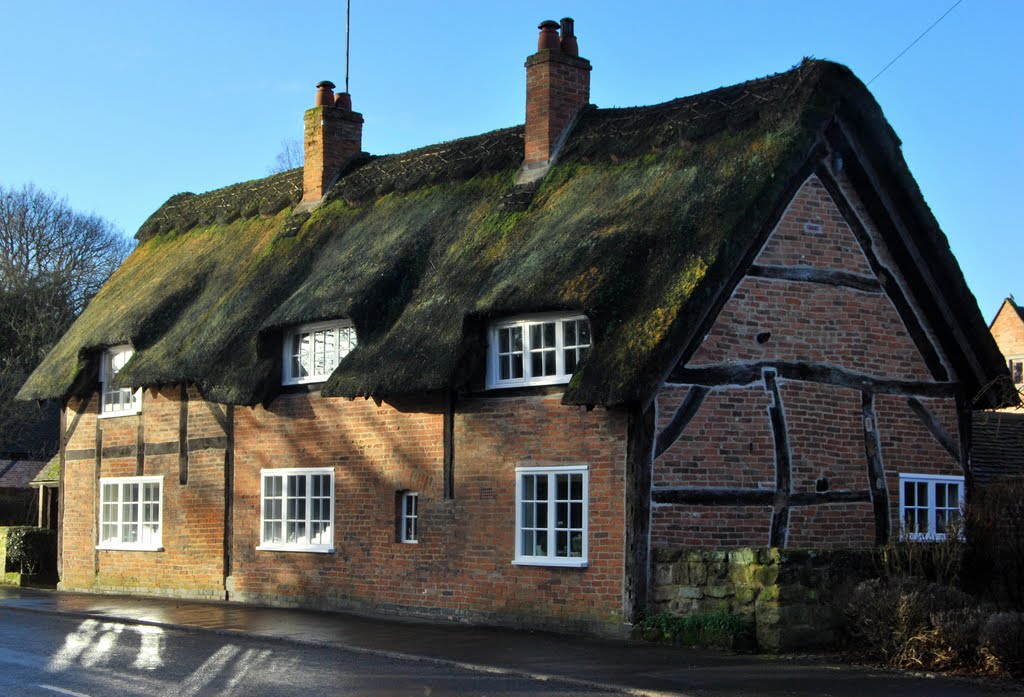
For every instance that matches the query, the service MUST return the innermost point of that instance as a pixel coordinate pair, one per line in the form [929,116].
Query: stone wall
[794,597]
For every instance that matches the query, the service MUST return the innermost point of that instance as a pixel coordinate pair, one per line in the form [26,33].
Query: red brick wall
[462,563]
[729,441]
[191,563]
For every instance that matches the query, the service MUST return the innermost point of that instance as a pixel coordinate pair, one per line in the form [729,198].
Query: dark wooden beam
[81,454]
[449,446]
[876,471]
[783,463]
[82,407]
[725,496]
[166,448]
[209,443]
[640,428]
[686,411]
[749,373]
[98,464]
[62,481]
[807,274]
[229,489]
[218,414]
[116,451]
[183,444]
[140,447]
[935,428]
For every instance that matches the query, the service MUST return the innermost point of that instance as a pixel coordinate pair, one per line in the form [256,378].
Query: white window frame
[287,378]
[524,322]
[551,559]
[405,517]
[931,480]
[107,373]
[155,544]
[302,546]
[1010,360]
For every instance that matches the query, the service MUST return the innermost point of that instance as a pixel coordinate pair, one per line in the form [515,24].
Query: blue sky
[118,104]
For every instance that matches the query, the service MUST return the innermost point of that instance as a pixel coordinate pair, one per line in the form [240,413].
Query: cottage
[1008,331]
[484,379]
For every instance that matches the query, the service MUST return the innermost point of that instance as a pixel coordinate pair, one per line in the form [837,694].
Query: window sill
[531,382]
[130,548]
[410,542]
[574,563]
[304,381]
[115,414]
[294,548]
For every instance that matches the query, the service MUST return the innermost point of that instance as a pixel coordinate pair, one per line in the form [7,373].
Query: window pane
[535,336]
[549,334]
[503,340]
[517,339]
[549,362]
[517,366]
[570,361]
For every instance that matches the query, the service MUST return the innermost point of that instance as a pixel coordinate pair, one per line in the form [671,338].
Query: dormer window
[536,350]
[313,351]
[117,401]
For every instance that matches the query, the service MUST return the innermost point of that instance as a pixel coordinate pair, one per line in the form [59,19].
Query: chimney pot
[548,39]
[324,93]
[343,100]
[569,45]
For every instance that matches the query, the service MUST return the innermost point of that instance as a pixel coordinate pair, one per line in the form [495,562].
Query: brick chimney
[557,86]
[333,134]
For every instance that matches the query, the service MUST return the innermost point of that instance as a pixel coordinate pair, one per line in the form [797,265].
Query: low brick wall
[795,597]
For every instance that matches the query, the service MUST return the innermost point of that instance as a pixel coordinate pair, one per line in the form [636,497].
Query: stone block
[722,591]
[768,556]
[717,569]
[742,574]
[743,556]
[691,592]
[663,574]
[767,575]
[745,595]
[698,573]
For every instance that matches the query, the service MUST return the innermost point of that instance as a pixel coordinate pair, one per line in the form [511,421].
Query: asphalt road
[53,655]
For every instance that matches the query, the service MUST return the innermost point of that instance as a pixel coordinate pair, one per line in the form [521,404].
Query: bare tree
[290,157]
[52,261]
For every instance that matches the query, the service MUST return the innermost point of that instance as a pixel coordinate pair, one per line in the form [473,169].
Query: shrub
[1002,643]
[939,561]
[994,562]
[702,629]
[31,550]
[909,622]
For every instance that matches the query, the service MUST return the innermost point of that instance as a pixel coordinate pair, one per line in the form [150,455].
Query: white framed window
[131,513]
[551,515]
[297,510]
[409,517]
[313,351]
[117,401]
[1016,366]
[536,350]
[930,504]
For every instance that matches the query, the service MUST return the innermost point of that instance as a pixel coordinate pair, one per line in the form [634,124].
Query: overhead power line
[915,41]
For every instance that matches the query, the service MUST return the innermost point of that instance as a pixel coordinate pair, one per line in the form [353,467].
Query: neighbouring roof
[640,224]
[997,448]
[18,474]
[48,475]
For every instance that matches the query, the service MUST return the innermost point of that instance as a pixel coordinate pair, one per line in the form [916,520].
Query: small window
[930,505]
[130,513]
[1016,366]
[117,401]
[541,350]
[297,510]
[409,517]
[551,516]
[313,351]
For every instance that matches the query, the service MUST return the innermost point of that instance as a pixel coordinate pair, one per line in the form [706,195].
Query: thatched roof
[639,225]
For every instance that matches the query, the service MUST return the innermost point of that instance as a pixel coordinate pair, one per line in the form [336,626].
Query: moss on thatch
[646,214]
